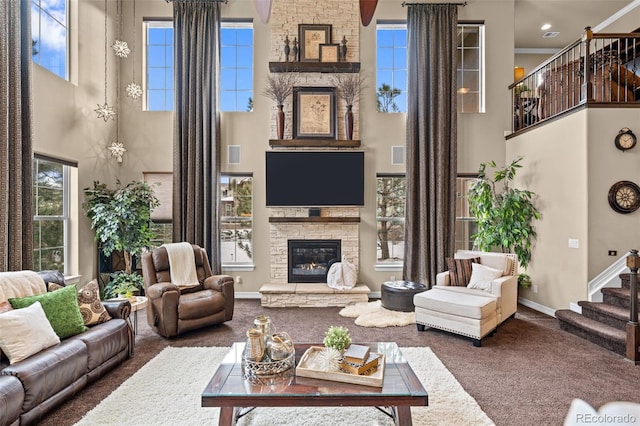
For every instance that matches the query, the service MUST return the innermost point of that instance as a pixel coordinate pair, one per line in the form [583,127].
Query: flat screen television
[314,178]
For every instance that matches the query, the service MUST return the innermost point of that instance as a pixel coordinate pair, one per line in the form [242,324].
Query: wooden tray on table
[306,368]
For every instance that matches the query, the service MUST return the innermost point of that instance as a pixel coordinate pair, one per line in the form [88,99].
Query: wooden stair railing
[633,328]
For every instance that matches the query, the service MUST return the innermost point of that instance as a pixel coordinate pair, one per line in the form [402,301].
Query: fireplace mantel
[315,219]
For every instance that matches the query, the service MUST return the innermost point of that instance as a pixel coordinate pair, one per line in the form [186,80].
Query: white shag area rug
[373,314]
[167,390]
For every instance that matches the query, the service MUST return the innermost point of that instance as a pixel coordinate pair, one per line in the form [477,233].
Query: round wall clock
[625,139]
[624,197]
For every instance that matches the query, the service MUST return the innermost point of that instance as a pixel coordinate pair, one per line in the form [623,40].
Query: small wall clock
[624,197]
[625,139]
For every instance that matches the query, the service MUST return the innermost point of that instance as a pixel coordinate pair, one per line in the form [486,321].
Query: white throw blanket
[20,284]
[182,264]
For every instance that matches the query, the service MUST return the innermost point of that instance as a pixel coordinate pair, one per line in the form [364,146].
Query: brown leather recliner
[171,311]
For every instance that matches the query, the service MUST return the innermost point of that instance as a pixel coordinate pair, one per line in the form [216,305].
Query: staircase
[602,323]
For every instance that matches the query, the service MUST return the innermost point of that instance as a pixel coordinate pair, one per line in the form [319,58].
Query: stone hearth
[311,295]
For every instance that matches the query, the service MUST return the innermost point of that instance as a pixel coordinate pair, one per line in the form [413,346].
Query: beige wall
[554,167]
[66,126]
[571,164]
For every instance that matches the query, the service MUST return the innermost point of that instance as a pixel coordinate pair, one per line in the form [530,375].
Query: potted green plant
[124,285]
[121,219]
[337,337]
[504,215]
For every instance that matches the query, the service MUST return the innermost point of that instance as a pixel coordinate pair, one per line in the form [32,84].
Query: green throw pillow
[60,307]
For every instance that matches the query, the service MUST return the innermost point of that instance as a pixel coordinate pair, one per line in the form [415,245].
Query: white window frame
[37,4]
[240,266]
[481,64]
[390,265]
[156,23]
[66,210]
[392,25]
[241,24]
[147,24]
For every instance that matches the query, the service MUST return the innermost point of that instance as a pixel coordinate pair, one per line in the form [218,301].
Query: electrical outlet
[534,288]
[238,279]
[392,278]
[613,253]
[574,243]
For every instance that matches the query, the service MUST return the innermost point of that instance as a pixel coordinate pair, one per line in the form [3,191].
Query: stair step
[617,296]
[612,315]
[601,334]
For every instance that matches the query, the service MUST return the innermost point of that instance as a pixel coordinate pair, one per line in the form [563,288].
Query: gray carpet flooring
[526,374]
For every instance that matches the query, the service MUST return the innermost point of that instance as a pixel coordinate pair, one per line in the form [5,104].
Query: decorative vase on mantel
[348,123]
[280,122]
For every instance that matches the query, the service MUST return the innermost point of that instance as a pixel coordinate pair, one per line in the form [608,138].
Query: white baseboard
[248,295]
[537,307]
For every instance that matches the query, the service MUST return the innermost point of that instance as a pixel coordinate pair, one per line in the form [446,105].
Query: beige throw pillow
[91,308]
[25,331]
[481,276]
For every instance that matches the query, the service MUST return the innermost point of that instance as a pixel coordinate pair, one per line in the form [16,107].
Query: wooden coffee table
[237,395]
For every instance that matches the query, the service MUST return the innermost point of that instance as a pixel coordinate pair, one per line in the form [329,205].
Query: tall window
[465,223]
[391,67]
[236,222]
[50,34]
[390,199]
[470,68]
[51,203]
[236,66]
[391,72]
[159,65]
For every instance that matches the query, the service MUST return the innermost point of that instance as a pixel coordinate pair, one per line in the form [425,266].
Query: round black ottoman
[398,295]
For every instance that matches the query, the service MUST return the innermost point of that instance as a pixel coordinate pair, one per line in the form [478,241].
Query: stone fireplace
[310,260]
[335,224]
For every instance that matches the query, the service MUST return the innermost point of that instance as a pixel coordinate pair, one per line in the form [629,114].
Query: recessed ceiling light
[545,27]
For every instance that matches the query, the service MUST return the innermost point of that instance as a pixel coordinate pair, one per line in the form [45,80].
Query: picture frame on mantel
[310,37]
[314,113]
[329,52]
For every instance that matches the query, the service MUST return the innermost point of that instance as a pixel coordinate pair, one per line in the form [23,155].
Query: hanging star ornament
[117,150]
[105,112]
[121,48]
[134,90]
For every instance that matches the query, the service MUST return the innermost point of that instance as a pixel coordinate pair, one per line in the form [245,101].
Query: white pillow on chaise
[482,275]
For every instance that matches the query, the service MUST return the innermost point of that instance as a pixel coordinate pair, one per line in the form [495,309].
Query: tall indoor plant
[504,215]
[121,218]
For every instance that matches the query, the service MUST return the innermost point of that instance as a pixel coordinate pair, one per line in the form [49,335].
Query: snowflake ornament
[117,150]
[105,112]
[121,48]
[134,90]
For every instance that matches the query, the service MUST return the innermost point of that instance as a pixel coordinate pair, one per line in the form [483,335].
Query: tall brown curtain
[16,212]
[196,160]
[431,140]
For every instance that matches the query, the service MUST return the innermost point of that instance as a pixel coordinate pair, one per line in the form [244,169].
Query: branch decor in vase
[349,88]
[278,88]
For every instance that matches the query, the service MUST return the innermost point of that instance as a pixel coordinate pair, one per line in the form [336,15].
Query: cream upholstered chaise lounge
[472,312]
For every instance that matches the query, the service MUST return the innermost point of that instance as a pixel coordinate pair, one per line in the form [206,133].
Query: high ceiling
[569,17]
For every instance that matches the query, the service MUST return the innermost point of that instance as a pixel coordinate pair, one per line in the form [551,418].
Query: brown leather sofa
[171,310]
[32,387]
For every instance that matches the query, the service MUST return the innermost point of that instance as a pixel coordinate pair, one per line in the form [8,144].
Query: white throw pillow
[481,276]
[25,331]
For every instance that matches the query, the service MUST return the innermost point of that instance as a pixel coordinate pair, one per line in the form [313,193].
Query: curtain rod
[404,3]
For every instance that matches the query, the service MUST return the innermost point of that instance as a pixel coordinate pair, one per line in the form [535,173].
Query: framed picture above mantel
[314,113]
[311,36]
